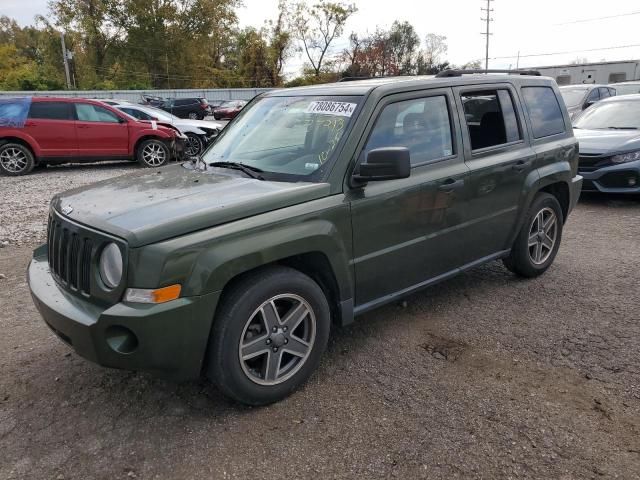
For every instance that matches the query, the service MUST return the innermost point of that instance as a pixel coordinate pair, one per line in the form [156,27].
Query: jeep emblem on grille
[67,209]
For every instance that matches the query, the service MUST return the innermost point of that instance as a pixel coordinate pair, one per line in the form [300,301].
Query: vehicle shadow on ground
[79,167]
[130,395]
[621,200]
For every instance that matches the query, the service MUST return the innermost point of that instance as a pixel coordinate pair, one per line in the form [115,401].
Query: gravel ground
[483,376]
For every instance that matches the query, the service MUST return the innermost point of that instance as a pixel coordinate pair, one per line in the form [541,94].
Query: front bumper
[613,178]
[169,339]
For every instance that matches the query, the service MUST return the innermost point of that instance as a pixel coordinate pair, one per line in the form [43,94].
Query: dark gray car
[609,137]
[580,97]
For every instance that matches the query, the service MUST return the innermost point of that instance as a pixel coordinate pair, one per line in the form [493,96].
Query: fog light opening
[121,339]
[632,181]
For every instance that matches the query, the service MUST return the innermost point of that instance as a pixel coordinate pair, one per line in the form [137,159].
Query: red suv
[37,130]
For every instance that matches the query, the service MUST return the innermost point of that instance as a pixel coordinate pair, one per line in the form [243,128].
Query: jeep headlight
[111,265]
[626,157]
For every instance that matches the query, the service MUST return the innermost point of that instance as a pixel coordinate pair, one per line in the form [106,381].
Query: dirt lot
[484,376]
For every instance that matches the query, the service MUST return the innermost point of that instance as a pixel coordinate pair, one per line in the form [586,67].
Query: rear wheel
[15,159]
[153,153]
[193,146]
[268,336]
[537,244]
[193,116]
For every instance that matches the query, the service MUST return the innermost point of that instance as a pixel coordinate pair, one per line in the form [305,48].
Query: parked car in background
[317,204]
[198,132]
[228,110]
[152,100]
[627,88]
[215,103]
[580,97]
[50,130]
[194,108]
[609,137]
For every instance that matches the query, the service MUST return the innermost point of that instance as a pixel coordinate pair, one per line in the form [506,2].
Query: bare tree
[316,28]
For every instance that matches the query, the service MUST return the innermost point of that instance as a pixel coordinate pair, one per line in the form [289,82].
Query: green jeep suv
[314,205]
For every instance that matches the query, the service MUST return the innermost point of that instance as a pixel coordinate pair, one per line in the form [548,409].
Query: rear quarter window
[544,111]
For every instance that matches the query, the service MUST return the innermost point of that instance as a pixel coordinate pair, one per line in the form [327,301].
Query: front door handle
[82,126]
[450,184]
[520,165]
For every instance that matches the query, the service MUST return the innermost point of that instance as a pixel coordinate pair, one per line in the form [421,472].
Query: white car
[199,132]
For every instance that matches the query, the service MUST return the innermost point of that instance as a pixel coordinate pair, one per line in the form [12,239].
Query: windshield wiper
[622,128]
[253,172]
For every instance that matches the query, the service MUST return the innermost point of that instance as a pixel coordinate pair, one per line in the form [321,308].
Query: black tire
[193,145]
[15,159]
[522,259]
[239,305]
[144,154]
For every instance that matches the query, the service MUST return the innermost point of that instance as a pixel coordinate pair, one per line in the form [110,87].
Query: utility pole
[487,33]
[65,59]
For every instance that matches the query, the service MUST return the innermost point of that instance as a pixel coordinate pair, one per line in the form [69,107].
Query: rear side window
[491,118]
[422,125]
[51,111]
[87,112]
[544,111]
[184,101]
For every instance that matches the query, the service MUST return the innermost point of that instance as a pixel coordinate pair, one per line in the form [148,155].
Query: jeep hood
[154,205]
[602,142]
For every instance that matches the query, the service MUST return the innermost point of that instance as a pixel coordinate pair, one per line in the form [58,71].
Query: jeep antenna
[487,33]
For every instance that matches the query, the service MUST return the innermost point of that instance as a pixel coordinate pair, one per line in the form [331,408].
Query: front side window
[50,111]
[594,96]
[288,138]
[491,118]
[544,111]
[422,125]
[87,112]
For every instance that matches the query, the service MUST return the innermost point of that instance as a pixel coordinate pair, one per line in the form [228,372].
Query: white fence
[135,96]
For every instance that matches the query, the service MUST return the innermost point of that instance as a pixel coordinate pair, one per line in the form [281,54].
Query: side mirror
[122,120]
[388,163]
[588,104]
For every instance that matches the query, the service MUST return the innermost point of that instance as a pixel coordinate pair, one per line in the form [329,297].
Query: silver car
[580,97]
[609,138]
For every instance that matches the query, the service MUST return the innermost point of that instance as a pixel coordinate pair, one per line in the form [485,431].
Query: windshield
[573,96]
[613,115]
[288,138]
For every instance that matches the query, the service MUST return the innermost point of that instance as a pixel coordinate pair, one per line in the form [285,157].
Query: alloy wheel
[542,235]
[154,154]
[193,146]
[13,160]
[193,115]
[277,339]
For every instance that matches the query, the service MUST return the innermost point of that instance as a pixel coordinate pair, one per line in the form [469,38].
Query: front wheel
[268,335]
[153,153]
[537,244]
[193,146]
[15,159]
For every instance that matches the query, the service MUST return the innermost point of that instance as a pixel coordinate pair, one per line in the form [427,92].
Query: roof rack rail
[353,79]
[460,72]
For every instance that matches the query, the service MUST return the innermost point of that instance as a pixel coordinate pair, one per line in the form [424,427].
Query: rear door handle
[29,124]
[450,184]
[520,165]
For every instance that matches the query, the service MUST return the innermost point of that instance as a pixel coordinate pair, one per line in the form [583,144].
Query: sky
[530,27]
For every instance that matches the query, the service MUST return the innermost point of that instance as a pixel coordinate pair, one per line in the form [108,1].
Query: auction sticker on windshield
[343,109]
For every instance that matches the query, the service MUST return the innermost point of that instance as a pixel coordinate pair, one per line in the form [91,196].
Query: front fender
[205,261]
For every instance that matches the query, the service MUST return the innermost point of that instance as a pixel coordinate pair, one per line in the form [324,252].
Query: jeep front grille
[70,256]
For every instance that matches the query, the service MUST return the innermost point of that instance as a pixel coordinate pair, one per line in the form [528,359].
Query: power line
[598,18]
[617,47]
